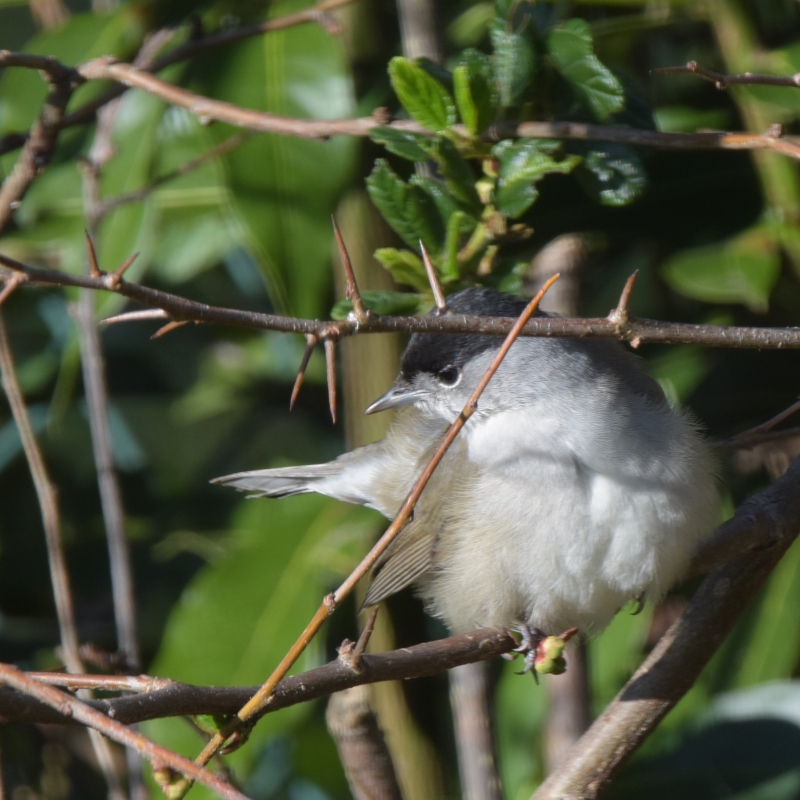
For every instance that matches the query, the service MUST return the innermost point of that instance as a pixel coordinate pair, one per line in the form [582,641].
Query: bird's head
[440,371]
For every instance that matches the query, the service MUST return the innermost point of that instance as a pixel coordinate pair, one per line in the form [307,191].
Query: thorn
[94,269]
[361,644]
[116,276]
[436,288]
[311,343]
[361,313]
[619,315]
[11,286]
[135,316]
[170,326]
[330,362]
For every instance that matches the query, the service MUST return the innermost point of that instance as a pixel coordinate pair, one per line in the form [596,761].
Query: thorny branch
[635,330]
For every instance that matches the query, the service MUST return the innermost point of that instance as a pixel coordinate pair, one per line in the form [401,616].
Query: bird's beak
[398,395]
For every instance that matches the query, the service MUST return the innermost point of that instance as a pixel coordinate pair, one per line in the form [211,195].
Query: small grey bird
[574,487]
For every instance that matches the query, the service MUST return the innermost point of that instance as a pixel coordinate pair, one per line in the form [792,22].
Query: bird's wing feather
[409,557]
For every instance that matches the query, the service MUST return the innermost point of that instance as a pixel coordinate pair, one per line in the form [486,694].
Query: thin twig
[330,371]
[207,109]
[262,698]
[673,666]
[221,149]
[360,312]
[637,330]
[311,343]
[436,288]
[71,707]
[770,423]
[741,442]
[12,284]
[106,683]
[723,81]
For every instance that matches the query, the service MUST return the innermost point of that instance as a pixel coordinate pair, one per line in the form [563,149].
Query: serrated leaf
[514,62]
[521,166]
[614,174]
[405,267]
[742,270]
[408,209]
[425,99]
[458,225]
[458,175]
[571,48]
[396,304]
[402,143]
[473,85]
[444,201]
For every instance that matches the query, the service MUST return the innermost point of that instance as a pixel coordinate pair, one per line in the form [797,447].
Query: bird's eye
[449,375]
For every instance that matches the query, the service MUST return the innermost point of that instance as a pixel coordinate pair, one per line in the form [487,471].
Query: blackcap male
[574,487]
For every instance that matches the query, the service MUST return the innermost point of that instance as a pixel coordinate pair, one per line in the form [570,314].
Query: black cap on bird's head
[444,355]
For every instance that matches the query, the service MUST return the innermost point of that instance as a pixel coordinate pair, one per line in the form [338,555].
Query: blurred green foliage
[223,584]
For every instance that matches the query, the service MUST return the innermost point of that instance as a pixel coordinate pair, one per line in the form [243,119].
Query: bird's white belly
[553,546]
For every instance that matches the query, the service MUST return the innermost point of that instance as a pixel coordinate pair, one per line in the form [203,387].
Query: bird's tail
[281,482]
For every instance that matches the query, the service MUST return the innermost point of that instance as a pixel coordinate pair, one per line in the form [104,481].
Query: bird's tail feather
[280,482]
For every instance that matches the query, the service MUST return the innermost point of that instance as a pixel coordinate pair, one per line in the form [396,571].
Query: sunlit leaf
[424,97]
[406,267]
[400,304]
[474,90]
[402,143]
[514,61]
[742,270]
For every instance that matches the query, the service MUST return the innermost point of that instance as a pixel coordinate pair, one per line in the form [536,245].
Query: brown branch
[41,141]
[470,702]
[636,331]
[262,698]
[207,109]
[679,657]
[723,81]
[73,709]
[742,442]
[361,745]
[159,697]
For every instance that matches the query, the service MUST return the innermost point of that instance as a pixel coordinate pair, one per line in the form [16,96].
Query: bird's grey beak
[398,395]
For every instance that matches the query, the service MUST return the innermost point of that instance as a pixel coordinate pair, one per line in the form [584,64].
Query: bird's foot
[543,654]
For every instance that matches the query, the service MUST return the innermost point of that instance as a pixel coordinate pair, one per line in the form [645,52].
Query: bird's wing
[409,557]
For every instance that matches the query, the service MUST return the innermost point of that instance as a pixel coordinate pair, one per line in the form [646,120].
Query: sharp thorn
[170,326]
[330,362]
[433,279]
[116,276]
[94,269]
[351,293]
[311,343]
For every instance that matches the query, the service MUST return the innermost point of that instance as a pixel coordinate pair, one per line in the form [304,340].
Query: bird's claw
[543,653]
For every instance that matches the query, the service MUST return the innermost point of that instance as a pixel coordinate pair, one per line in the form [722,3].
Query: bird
[574,488]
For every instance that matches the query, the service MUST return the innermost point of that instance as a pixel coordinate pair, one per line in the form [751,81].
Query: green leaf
[237,617]
[571,48]
[744,270]
[458,226]
[298,72]
[399,304]
[406,144]
[473,83]
[410,211]
[405,267]
[425,99]
[458,175]
[521,166]
[613,174]
[514,63]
